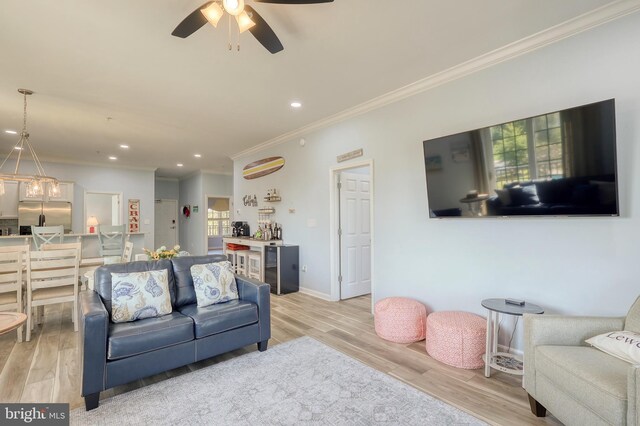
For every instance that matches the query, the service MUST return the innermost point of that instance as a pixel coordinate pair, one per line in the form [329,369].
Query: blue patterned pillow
[139,295]
[214,283]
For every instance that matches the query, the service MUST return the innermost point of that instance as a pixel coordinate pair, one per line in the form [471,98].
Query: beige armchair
[579,384]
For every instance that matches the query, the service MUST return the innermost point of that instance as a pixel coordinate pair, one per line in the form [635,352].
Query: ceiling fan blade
[191,23]
[263,32]
[294,1]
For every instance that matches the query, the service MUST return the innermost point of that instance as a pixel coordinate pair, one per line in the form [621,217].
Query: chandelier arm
[6,158]
[36,160]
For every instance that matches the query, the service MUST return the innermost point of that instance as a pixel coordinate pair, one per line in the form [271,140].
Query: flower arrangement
[163,253]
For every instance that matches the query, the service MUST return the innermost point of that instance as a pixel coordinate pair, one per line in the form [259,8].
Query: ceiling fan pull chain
[238,39]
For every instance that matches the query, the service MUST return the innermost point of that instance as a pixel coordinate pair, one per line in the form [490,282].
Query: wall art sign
[350,155]
[263,167]
[133,207]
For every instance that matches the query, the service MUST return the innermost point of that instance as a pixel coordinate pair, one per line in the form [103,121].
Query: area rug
[298,382]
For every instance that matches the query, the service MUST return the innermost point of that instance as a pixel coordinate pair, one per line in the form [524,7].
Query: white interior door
[166,223]
[355,234]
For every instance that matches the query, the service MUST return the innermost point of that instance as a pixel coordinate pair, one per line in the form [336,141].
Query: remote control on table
[516,302]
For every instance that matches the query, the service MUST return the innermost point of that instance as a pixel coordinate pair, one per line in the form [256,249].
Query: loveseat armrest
[259,293]
[566,330]
[94,325]
[633,395]
[559,330]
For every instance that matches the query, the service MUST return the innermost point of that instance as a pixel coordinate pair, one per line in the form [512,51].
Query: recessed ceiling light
[123,146]
[112,157]
[11,132]
[197,155]
[296,104]
[179,164]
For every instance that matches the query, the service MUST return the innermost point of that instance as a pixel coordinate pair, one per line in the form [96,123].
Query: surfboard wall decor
[263,167]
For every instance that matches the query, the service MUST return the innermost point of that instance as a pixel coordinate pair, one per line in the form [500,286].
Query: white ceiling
[171,98]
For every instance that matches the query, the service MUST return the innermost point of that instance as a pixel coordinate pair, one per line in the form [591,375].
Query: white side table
[503,361]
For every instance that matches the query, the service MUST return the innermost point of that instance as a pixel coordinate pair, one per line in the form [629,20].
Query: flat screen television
[562,163]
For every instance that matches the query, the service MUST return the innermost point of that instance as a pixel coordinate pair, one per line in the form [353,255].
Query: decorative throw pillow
[214,283]
[139,295]
[504,197]
[524,195]
[621,344]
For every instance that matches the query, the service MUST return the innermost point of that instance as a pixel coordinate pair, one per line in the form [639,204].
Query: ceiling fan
[245,15]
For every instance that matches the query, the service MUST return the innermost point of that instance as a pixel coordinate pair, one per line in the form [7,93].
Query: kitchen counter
[65,235]
[89,242]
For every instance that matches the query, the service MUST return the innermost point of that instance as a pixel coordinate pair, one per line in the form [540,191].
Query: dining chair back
[47,235]
[11,265]
[127,254]
[111,240]
[52,277]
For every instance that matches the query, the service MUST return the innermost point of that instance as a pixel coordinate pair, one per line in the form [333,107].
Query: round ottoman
[457,338]
[400,319]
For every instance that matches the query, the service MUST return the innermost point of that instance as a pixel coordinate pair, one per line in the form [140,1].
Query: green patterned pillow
[138,295]
[214,283]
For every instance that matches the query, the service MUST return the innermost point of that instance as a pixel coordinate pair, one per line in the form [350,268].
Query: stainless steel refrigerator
[51,213]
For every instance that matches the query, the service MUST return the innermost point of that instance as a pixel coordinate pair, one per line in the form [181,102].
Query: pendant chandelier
[36,183]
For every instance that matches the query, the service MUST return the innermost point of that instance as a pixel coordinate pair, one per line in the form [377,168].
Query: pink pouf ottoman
[400,319]
[457,338]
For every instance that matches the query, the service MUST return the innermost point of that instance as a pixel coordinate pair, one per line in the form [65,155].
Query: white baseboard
[315,293]
[503,348]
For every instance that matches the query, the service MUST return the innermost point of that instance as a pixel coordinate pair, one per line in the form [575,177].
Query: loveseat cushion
[185,293]
[594,379]
[221,317]
[146,335]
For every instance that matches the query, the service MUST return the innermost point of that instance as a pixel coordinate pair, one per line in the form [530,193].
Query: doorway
[352,230]
[166,223]
[218,222]
[102,208]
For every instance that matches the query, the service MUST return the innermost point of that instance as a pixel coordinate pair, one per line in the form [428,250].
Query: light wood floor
[47,369]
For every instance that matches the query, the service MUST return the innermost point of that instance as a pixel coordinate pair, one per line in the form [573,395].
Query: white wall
[134,184]
[100,206]
[193,191]
[567,265]
[167,189]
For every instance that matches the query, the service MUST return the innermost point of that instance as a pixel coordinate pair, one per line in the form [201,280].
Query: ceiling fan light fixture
[213,13]
[233,7]
[244,22]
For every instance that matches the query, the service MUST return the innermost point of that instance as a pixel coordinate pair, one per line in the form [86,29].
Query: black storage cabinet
[281,269]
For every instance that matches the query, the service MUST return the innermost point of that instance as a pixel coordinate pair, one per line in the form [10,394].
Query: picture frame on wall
[433,163]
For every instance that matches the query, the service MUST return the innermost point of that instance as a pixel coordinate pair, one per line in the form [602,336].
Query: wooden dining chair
[127,254]
[47,235]
[111,240]
[11,265]
[52,277]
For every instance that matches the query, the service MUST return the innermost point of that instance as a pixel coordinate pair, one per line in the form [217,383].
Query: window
[527,149]
[218,223]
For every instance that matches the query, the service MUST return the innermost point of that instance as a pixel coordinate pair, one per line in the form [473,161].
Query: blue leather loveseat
[118,353]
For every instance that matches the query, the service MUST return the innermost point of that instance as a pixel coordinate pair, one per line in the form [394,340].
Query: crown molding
[579,24]
[214,172]
[55,160]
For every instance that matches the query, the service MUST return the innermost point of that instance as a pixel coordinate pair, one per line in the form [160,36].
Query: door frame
[177,218]
[333,224]
[206,219]
[84,202]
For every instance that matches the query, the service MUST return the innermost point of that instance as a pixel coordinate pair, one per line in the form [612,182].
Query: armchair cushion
[146,335]
[632,322]
[221,317]
[596,380]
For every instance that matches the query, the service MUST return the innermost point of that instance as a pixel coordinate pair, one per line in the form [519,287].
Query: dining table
[9,321]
